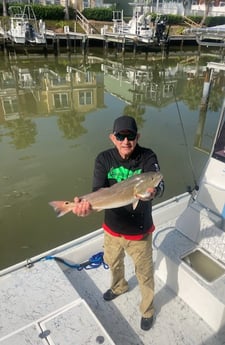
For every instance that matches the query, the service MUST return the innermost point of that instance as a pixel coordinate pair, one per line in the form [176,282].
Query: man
[125,229]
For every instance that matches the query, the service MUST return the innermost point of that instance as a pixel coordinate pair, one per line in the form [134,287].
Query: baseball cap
[125,123]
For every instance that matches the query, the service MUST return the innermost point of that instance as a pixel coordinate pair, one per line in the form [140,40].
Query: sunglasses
[129,136]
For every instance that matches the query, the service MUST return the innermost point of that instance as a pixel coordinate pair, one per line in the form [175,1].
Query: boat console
[212,188]
[191,255]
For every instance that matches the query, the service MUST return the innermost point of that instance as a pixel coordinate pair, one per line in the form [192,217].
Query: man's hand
[82,207]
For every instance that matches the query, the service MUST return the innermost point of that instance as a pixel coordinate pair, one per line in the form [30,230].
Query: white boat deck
[50,303]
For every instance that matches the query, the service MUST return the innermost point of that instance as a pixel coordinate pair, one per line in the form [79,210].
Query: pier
[71,42]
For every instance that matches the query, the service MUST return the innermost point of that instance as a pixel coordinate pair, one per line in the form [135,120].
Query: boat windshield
[219,147]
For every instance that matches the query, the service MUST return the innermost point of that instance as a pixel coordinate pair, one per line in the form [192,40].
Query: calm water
[56,115]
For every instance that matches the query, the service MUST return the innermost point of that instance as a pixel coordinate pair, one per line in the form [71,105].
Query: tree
[4,7]
[66,10]
[205,15]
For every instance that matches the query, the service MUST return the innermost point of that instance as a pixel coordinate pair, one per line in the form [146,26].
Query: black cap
[125,123]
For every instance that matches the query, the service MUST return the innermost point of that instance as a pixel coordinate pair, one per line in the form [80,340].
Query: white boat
[48,299]
[24,28]
[141,25]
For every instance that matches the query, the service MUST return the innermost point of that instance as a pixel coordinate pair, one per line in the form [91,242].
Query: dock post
[106,45]
[58,46]
[87,45]
[54,44]
[4,46]
[74,44]
[135,47]
[68,43]
[118,43]
[222,52]
[123,45]
[45,49]
[181,44]
[84,45]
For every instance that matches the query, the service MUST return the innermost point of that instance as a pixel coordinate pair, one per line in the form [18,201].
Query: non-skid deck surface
[175,323]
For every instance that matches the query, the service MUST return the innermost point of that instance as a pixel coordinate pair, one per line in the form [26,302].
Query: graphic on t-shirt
[120,173]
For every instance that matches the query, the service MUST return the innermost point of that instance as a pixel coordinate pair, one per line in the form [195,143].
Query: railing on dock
[191,23]
[88,27]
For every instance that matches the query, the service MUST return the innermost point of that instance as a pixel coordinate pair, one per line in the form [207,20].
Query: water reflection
[68,92]
[72,92]
[55,117]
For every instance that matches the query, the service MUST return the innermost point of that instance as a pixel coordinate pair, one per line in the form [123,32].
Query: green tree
[206,13]
[137,111]
[70,124]
[66,10]
[4,8]
[22,132]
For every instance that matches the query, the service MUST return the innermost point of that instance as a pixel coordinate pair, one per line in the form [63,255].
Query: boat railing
[20,16]
[26,13]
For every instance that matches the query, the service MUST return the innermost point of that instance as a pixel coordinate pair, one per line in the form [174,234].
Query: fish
[129,191]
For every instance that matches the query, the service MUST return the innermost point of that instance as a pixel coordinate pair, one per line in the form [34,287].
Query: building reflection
[9,105]
[73,91]
[148,85]
[43,91]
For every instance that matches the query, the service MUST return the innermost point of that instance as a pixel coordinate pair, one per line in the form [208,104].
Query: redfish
[120,194]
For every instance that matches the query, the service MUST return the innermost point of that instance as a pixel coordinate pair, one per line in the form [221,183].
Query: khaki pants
[141,254]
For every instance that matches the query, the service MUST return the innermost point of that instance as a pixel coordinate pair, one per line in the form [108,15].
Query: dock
[72,42]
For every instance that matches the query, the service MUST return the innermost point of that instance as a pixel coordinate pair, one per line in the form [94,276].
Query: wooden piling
[84,48]
[123,45]
[135,48]
[106,45]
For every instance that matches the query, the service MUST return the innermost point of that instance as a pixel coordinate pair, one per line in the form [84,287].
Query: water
[55,117]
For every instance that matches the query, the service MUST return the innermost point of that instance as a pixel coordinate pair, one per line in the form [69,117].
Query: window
[61,100]
[10,105]
[85,97]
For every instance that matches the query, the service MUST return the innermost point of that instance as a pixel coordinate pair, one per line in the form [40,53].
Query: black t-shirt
[111,168]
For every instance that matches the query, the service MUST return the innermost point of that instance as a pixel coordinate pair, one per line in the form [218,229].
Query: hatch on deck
[204,265]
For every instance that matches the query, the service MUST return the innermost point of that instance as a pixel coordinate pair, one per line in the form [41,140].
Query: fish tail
[61,207]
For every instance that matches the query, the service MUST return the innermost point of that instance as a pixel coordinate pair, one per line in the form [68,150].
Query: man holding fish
[128,224]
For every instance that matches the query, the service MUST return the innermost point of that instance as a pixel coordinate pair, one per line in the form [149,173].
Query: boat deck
[175,323]
[51,304]
[47,302]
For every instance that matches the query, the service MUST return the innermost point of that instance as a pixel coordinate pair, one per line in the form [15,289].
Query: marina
[140,34]
[145,31]
[71,42]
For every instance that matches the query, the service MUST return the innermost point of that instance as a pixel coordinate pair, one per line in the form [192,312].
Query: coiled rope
[94,262]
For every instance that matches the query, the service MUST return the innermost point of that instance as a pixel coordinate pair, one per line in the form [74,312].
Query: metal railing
[88,27]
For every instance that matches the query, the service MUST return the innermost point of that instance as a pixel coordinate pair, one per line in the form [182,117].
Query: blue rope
[94,262]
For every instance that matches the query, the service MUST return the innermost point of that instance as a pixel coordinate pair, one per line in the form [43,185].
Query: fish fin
[135,203]
[144,197]
[61,207]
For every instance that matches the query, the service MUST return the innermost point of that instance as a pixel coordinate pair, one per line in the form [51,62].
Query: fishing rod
[196,186]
